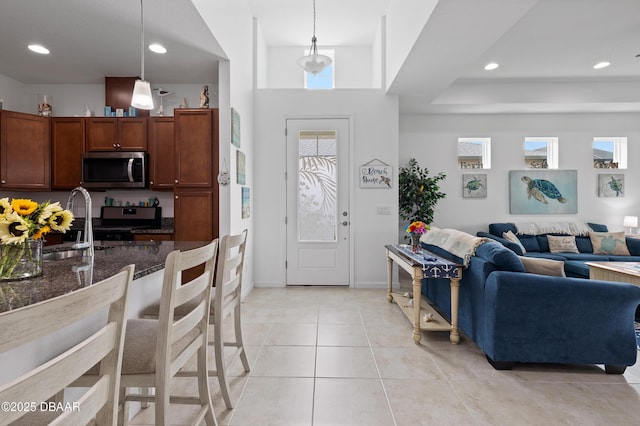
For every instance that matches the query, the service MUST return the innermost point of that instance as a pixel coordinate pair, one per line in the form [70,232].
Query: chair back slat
[104,346]
[192,323]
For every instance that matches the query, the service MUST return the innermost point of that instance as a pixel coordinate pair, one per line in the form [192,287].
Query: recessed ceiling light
[37,48]
[601,65]
[157,48]
[491,66]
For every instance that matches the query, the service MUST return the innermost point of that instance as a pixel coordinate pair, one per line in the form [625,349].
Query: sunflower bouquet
[22,221]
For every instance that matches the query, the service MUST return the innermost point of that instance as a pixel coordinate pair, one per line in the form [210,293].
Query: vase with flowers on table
[416,230]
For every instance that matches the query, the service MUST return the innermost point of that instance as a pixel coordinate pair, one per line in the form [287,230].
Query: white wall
[231,23]
[69,100]
[405,21]
[353,67]
[12,94]
[375,135]
[432,140]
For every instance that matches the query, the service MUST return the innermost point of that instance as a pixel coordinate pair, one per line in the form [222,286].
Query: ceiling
[546,48]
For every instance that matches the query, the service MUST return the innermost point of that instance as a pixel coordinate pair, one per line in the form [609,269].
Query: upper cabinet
[196,139]
[25,154]
[115,134]
[67,146]
[161,153]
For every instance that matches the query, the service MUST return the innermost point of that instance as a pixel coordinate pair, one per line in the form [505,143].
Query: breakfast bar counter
[64,271]
[63,275]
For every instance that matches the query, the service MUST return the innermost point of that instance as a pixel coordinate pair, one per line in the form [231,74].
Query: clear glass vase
[20,261]
[415,243]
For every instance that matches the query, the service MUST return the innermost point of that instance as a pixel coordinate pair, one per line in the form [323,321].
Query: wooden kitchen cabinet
[25,151]
[116,134]
[162,161]
[152,237]
[196,150]
[196,201]
[67,147]
[195,215]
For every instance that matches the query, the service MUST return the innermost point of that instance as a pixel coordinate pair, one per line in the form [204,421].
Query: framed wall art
[235,128]
[246,202]
[241,168]
[611,185]
[376,174]
[474,185]
[543,191]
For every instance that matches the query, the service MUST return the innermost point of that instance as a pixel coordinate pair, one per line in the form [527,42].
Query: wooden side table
[418,267]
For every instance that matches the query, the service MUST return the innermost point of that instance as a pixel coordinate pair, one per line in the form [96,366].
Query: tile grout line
[375,362]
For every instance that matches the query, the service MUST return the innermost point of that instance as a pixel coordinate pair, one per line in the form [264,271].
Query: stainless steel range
[118,223]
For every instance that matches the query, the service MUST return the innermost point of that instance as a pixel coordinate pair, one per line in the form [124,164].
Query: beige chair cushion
[140,357]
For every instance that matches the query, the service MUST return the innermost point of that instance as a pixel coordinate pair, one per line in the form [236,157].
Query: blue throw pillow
[502,258]
[498,229]
[598,227]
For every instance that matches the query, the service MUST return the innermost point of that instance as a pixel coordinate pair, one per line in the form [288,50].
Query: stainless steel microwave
[122,169]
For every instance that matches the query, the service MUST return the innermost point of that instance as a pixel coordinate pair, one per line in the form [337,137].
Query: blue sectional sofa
[520,317]
[574,263]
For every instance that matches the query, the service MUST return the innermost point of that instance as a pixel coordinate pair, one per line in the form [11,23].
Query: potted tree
[418,194]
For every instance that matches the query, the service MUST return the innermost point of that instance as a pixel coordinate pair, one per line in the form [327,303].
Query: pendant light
[313,62]
[142,98]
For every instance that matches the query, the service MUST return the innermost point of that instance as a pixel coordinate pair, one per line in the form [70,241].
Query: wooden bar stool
[103,348]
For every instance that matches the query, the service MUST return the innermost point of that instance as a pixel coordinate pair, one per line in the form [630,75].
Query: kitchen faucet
[87,244]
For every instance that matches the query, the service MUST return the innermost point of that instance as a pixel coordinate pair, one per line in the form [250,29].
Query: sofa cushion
[624,258]
[542,266]
[530,242]
[586,257]
[546,255]
[502,258]
[562,244]
[633,244]
[510,236]
[576,269]
[584,244]
[612,243]
[498,229]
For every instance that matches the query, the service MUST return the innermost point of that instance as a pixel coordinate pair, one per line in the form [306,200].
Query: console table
[424,265]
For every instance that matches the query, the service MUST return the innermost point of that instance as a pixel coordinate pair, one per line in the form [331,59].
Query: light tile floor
[340,356]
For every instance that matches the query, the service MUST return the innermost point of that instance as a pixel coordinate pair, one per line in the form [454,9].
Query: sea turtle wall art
[543,191]
[474,185]
[611,185]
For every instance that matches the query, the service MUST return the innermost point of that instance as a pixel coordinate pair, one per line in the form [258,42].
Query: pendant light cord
[142,40]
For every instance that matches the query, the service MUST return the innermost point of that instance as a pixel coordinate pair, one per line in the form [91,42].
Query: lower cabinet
[195,216]
[152,237]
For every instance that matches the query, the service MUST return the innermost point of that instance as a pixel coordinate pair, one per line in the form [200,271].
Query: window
[324,79]
[541,152]
[610,153]
[474,153]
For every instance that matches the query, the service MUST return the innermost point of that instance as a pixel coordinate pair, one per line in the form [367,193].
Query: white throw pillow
[510,236]
[562,244]
[540,266]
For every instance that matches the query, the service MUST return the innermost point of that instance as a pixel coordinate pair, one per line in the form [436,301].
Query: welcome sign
[376,174]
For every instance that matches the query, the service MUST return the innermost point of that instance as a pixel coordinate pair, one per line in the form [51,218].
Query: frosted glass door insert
[317,186]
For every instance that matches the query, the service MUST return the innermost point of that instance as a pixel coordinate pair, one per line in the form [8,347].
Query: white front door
[318,201]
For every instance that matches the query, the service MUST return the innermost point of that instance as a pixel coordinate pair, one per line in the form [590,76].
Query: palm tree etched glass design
[317,186]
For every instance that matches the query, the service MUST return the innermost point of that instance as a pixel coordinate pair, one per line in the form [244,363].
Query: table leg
[389,277]
[454,336]
[417,297]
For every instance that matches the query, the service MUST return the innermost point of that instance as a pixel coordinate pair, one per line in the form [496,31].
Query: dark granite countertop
[62,276]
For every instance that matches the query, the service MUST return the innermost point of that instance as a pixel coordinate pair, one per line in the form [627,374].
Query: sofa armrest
[535,318]
[508,244]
